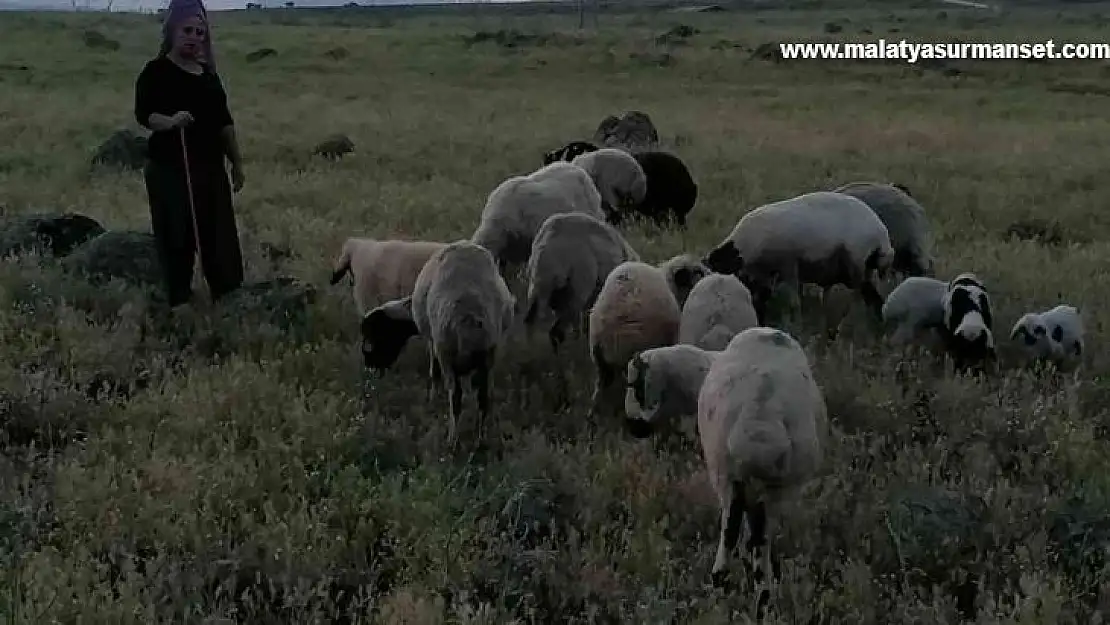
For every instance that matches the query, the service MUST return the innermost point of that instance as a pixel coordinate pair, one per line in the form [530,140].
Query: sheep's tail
[342,264]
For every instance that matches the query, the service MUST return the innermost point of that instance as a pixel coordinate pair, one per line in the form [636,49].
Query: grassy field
[266,486]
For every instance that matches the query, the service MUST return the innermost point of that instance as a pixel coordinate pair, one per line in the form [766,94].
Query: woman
[180,98]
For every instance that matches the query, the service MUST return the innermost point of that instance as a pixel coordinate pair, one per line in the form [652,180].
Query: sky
[213,5]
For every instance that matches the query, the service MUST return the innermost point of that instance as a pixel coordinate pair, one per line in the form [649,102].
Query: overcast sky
[214,5]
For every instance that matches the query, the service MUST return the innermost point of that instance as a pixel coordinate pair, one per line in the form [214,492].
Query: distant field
[263,487]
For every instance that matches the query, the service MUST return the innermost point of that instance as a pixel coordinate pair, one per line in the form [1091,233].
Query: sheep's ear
[337,275]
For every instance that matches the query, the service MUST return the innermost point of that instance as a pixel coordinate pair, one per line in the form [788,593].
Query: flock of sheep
[691,335]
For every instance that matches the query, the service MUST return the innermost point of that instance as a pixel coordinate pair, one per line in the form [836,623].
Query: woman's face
[190,36]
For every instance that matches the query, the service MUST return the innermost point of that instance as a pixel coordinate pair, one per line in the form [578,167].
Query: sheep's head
[965,295]
[568,152]
[683,272]
[642,397]
[1029,330]
[725,258]
[385,332]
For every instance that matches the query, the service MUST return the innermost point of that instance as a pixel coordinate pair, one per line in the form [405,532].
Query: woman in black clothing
[179,97]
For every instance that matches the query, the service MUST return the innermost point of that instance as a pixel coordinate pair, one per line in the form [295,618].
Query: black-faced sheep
[763,426]
[619,179]
[1055,335]
[968,321]
[717,309]
[905,220]
[516,209]
[671,190]
[463,306]
[382,271]
[662,384]
[632,131]
[571,256]
[821,238]
[635,310]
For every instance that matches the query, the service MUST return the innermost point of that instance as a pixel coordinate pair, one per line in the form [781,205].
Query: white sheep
[571,255]
[1055,334]
[905,220]
[717,309]
[381,270]
[663,384]
[821,238]
[763,425]
[968,321]
[619,179]
[915,308]
[635,310]
[517,207]
[462,304]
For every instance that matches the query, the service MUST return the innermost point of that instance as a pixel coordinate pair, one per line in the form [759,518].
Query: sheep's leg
[869,291]
[454,384]
[732,517]
[479,381]
[761,523]
[605,378]
[435,375]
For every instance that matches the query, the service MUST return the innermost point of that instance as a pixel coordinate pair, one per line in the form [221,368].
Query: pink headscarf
[179,11]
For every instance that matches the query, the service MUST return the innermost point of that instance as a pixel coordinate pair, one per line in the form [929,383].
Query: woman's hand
[181,119]
[237,177]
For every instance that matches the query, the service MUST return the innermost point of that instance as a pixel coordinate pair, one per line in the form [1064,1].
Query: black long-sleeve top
[163,87]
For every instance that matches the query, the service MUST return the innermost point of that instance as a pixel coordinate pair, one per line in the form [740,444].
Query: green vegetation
[252,479]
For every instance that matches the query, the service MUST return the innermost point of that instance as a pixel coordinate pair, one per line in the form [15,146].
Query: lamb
[763,425]
[516,209]
[968,321]
[915,307]
[462,304]
[823,238]
[718,308]
[663,384]
[381,270]
[618,177]
[635,310]
[1055,334]
[571,256]
[905,220]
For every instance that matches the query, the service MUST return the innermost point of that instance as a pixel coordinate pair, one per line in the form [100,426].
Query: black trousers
[172,224]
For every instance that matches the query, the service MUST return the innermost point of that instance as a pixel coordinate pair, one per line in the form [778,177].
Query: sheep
[618,177]
[516,209]
[683,272]
[462,304]
[571,255]
[718,307]
[381,270]
[905,220]
[763,425]
[569,152]
[968,321]
[663,384]
[671,190]
[635,310]
[915,307]
[1055,334]
[823,238]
